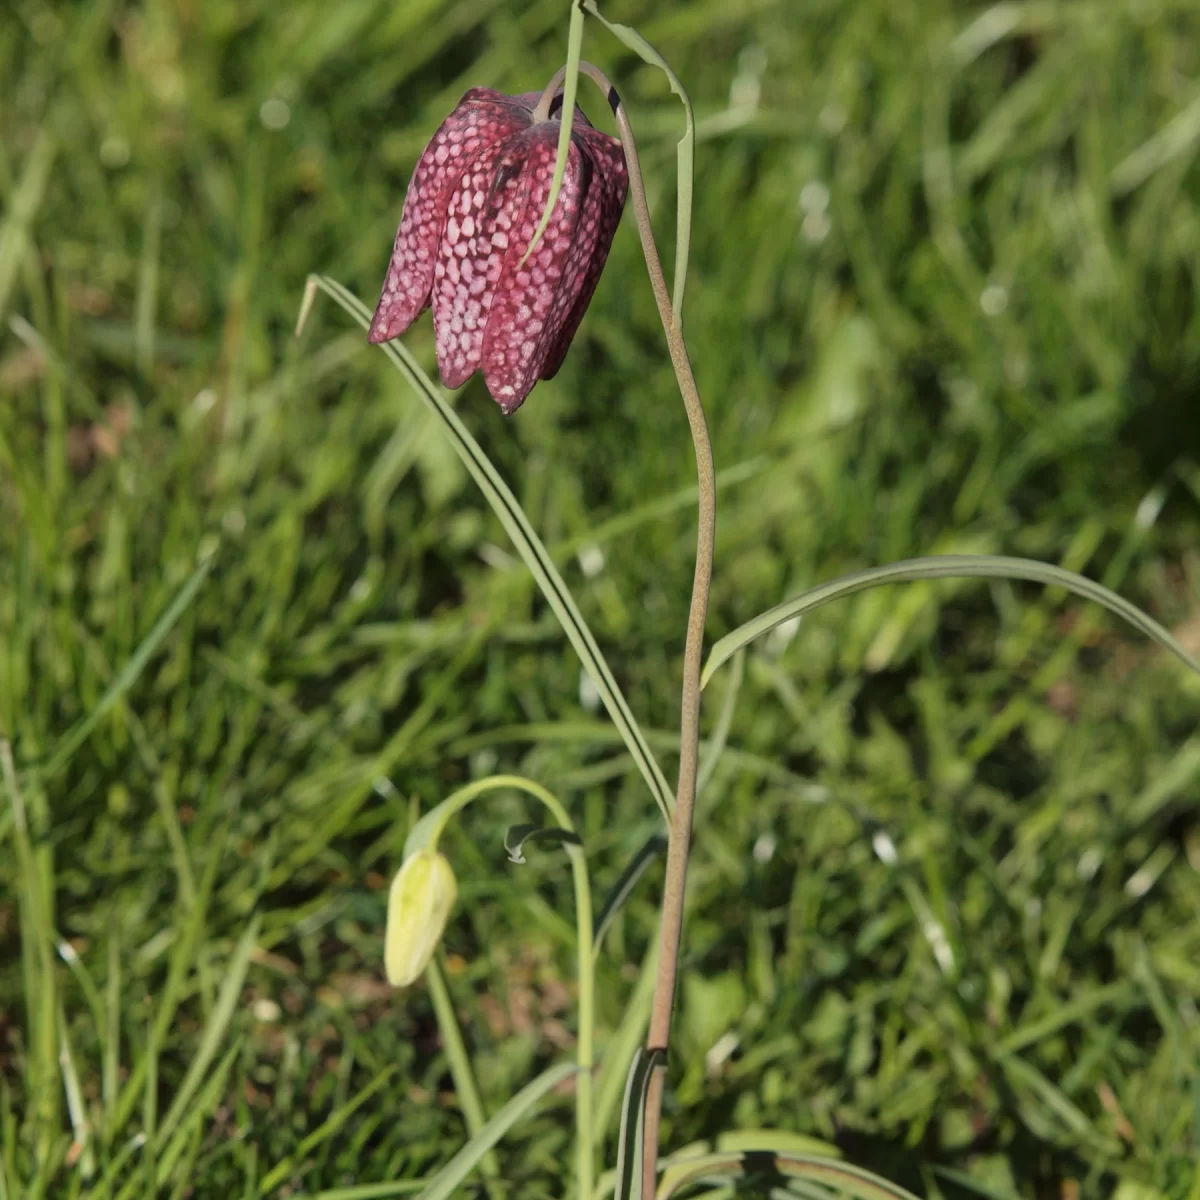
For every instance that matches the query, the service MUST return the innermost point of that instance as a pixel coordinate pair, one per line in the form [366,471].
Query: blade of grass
[14,237]
[111,1065]
[367,1191]
[215,1028]
[128,676]
[171,995]
[324,1132]
[465,1161]
[37,958]
[465,1086]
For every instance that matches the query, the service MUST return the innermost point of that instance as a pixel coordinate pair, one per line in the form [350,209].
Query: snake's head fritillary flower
[419,902]
[473,204]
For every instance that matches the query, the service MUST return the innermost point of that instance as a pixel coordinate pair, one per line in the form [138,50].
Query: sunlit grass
[947,879]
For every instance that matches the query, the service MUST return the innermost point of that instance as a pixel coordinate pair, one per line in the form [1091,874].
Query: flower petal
[476,241]
[531,302]
[602,209]
[481,118]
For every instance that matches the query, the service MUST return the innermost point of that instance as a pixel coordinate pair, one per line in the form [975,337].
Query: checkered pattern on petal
[482,118]
[602,209]
[532,301]
[477,240]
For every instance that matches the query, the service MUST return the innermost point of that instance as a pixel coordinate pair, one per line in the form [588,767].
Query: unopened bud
[419,903]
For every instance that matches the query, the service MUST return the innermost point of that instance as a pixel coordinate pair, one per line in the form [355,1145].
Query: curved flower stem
[689,731]
[585,1052]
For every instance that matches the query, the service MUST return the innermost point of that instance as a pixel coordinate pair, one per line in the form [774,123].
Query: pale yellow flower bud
[419,903]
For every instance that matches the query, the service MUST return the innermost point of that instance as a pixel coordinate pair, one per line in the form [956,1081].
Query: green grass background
[943,298]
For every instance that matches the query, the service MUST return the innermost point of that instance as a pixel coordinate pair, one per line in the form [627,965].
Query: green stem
[460,1062]
[671,929]
[585,1055]
[426,833]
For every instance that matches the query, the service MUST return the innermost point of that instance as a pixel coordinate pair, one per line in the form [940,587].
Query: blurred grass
[946,893]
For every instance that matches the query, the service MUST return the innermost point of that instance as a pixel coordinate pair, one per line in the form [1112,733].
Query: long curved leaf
[630,1142]
[465,1161]
[846,1179]
[638,865]
[945,566]
[516,524]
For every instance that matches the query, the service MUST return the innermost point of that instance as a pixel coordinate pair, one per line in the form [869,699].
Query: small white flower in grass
[274,113]
[993,299]
[419,903]
[1089,863]
[885,848]
[721,1052]
[764,848]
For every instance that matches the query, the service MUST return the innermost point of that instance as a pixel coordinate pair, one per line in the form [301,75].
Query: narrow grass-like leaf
[1026,1079]
[570,91]
[637,866]
[1066,1014]
[146,304]
[715,746]
[215,1028]
[971,1184]
[324,1131]
[515,837]
[685,152]
[528,544]
[381,765]
[111,1066]
[37,959]
[1178,137]
[846,1179]
[367,1191]
[626,1042]
[182,961]
[77,1112]
[777,1141]
[459,1059]
[465,1161]
[206,1102]
[129,674]
[14,235]
[947,566]
[630,1144]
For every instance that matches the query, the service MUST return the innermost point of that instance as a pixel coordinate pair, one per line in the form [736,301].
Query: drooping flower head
[419,902]
[473,204]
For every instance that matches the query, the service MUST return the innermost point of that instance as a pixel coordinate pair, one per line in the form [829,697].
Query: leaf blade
[943,566]
[461,1165]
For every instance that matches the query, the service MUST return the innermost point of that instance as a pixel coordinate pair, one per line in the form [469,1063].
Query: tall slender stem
[585,1050]
[460,1061]
[671,929]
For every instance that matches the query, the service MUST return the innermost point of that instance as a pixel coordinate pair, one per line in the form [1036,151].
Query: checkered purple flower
[473,204]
